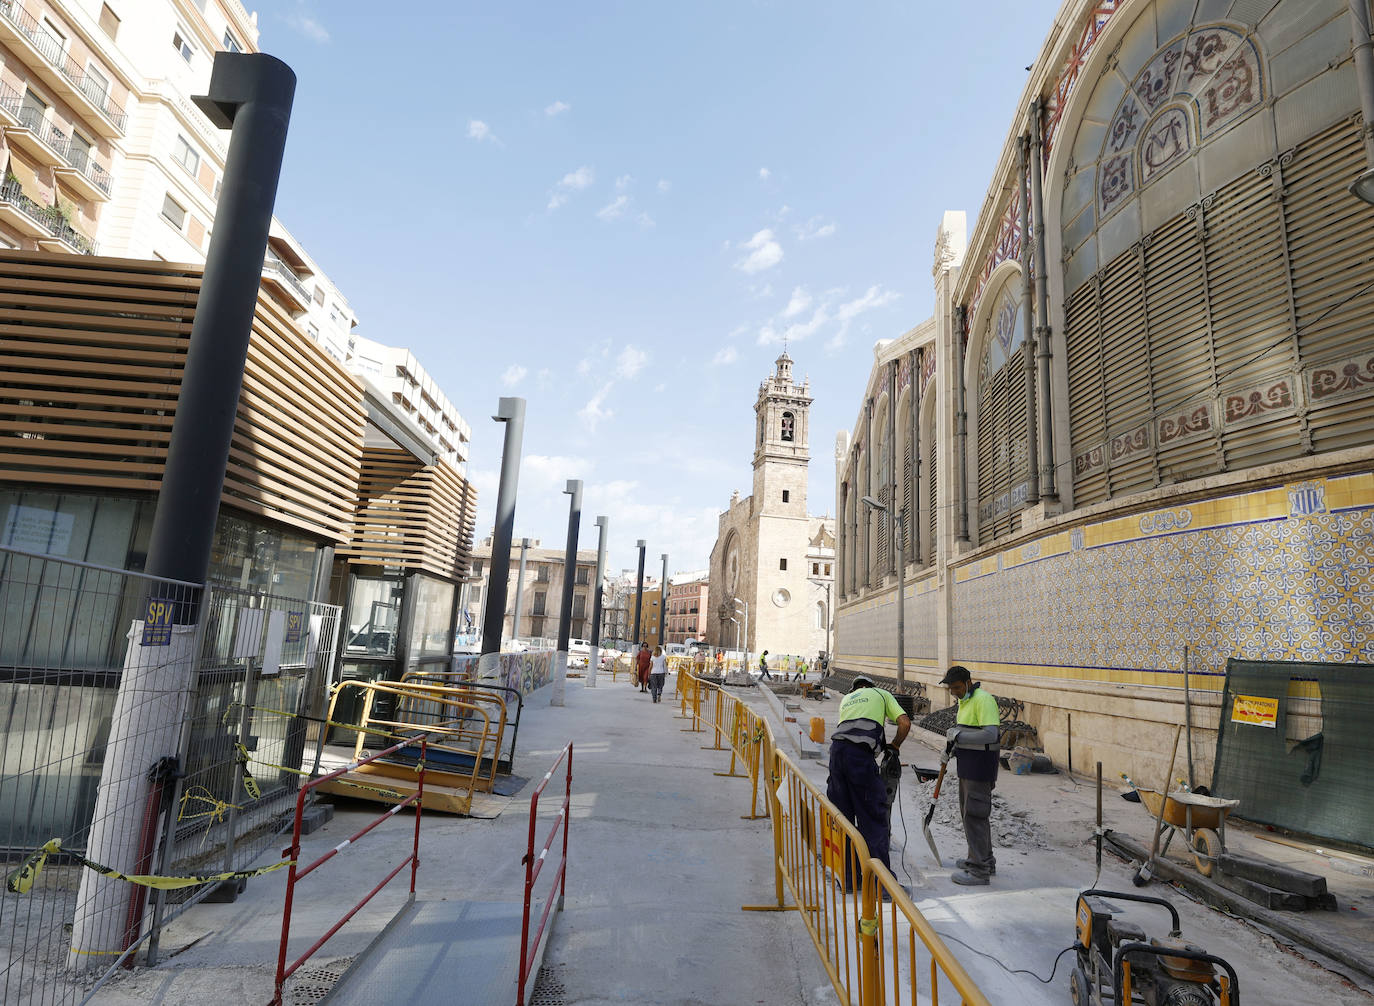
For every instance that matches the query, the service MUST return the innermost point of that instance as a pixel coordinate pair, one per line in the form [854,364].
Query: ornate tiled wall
[1284,573]
[867,632]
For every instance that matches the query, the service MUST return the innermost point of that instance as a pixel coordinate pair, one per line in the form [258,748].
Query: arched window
[1001,424]
[820,615]
[789,424]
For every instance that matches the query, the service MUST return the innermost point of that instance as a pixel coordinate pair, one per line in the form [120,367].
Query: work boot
[967,879]
[963,864]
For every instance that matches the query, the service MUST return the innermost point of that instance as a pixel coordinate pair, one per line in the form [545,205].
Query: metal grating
[548,988]
[311,985]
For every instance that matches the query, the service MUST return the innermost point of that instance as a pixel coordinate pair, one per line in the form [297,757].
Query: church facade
[774,561]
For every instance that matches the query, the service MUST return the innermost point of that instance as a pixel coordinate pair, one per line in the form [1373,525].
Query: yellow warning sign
[1255,710]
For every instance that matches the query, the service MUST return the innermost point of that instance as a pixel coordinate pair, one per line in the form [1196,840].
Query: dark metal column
[603,524]
[250,94]
[663,599]
[560,659]
[961,421]
[914,517]
[1042,308]
[639,598]
[510,411]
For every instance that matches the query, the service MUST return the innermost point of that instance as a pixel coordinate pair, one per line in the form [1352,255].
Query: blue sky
[616,211]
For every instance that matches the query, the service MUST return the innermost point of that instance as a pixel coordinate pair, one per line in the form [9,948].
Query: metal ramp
[436,953]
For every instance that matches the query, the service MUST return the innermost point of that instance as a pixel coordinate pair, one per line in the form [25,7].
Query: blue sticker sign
[295,622]
[157,622]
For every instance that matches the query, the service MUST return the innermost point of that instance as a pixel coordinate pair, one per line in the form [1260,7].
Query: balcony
[37,137]
[84,175]
[43,52]
[285,285]
[43,223]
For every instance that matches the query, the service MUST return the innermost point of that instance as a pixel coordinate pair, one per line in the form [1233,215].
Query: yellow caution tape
[22,879]
[249,783]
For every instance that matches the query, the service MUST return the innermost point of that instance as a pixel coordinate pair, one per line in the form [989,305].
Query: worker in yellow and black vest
[855,786]
[975,743]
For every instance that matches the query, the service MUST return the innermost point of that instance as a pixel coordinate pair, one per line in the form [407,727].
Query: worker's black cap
[956,673]
[861,681]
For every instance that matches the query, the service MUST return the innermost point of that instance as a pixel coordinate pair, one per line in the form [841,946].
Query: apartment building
[540,594]
[688,606]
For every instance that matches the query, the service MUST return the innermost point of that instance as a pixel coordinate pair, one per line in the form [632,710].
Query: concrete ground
[659,864]
[1025,917]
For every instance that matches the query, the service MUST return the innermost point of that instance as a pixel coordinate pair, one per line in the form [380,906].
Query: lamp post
[876,504]
[744,654]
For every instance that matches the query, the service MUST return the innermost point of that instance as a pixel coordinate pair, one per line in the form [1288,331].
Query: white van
[676,649]
[579,651]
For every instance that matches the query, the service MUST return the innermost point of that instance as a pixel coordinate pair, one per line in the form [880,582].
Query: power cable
[1011,971]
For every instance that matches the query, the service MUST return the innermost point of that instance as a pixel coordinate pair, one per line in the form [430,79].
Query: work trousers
[857,791]
[975,806]
[656,685]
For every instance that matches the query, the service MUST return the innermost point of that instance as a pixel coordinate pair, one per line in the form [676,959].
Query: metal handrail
[274,265]
[51,49]
[296,873]
[534,866]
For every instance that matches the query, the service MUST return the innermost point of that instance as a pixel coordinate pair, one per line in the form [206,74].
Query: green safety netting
[1296,747]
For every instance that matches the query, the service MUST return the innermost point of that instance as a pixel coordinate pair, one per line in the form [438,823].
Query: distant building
[688,606]
[541,597]
[767,544]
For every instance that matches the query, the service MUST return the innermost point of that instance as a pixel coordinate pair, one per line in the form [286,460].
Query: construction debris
[1011,828]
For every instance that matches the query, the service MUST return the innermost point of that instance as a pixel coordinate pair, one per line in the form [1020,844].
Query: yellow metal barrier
[874,957]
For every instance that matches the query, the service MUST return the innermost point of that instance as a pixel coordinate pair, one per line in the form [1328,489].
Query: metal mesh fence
[1294,747]
[146,727]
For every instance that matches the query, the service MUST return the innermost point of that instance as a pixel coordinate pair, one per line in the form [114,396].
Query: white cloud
[584,367]
[544,379]
[309,27]
[798,303]
[557,108]
[812,229]
[764,174]
[615,208]
[480,131]
[595,410]
[764,253]
[514,375]
[660,388]
[786,328]
[725,356]
[547,473]
[645,220]
[573,181]
[874,297]
[664,185]
[630,362]
[623,182]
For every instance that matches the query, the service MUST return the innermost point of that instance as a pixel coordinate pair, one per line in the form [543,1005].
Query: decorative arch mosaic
[1194,87]
[1006,333]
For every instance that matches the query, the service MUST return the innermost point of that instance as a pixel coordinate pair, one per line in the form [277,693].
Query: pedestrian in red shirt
[642,663]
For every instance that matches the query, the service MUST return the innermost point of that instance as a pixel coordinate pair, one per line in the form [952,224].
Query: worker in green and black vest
[854,786]
[975,743]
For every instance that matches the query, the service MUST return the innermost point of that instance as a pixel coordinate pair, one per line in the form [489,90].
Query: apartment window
[185,154]
[230,43]
[319,290]
[79,151]
[182,46]
[58,37]
[583,577]
[109,21]
[827,569]
[173,212]
[476,569]
[32,111]
[815,569]
[96,85]
[476,595]
[786,495]
[782,564]
[315,332]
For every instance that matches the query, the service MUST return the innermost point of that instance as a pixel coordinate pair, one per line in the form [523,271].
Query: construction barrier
[298,873]
[887,957]
[535,865]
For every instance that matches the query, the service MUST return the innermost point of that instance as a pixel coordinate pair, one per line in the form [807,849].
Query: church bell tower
[782,420]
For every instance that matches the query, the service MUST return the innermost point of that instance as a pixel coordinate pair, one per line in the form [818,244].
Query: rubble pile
[1014,729]
[1011,828]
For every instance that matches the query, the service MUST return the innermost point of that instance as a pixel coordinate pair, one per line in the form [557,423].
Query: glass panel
[433,607]
[373,615]
[262,558]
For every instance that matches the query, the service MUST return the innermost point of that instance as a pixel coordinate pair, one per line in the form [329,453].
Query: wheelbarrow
[1202,819]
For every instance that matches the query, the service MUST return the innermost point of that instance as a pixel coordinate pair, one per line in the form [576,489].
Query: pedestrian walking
[974,741]
[854,785]
[658,673]
[763,666]
[642,662]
